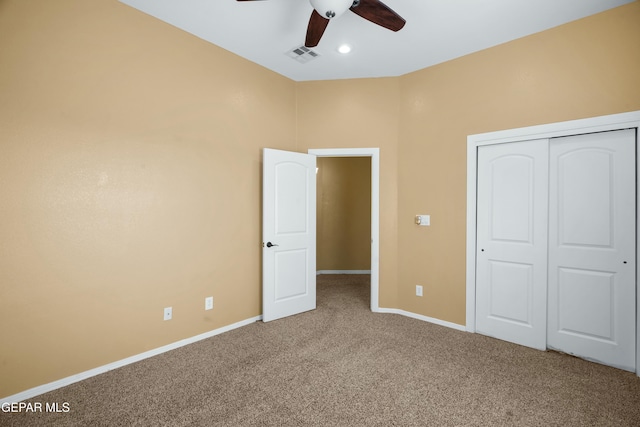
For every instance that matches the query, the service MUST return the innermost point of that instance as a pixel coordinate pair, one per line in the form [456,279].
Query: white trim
[423,318]
[637,251]
[472,178]
[568,128]
[45,388]
[552,130]
[319,272]
[374,153]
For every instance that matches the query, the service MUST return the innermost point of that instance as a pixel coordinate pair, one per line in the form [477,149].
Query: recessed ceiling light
[344,48]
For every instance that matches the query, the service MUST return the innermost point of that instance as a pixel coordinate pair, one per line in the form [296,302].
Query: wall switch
[168,313]
[208,303]
[423,220]
[418,290]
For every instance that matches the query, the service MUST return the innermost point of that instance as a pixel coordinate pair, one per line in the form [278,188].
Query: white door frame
[573,127]
[374,153]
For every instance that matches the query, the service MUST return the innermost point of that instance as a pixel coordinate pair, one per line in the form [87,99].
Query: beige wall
[587,68]
[130,181]
[130,169]
[359,114]
[343,213]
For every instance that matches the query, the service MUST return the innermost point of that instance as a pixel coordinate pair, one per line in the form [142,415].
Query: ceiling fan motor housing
[331,8]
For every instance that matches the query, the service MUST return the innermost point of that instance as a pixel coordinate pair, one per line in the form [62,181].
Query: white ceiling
[436,31]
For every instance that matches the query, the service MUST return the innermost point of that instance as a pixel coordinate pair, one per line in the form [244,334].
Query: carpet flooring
[342,365]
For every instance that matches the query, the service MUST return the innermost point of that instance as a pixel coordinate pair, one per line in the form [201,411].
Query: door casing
[568,128]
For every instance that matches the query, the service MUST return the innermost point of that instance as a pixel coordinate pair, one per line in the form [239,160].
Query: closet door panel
[512,242]
[591,308]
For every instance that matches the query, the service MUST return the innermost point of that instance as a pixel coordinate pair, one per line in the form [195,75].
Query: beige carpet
[342,365]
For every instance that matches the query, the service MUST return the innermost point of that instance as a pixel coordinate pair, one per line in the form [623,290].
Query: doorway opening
[374,154]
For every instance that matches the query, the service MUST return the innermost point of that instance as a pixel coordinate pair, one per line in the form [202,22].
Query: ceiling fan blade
[315,30]
[378,13]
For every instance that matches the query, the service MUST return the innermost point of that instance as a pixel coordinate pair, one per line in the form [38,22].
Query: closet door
[592,206]
[511,280]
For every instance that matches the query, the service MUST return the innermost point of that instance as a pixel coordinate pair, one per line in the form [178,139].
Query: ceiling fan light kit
[331,8]
[324,10]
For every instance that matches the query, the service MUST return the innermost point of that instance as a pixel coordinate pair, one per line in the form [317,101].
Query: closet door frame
[568,128]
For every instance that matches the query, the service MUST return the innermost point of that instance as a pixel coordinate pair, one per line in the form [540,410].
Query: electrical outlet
[418,290]
[168,313]
[208,303]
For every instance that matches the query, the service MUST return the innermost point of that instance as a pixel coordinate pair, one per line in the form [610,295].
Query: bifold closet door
[511,279]
[592,220]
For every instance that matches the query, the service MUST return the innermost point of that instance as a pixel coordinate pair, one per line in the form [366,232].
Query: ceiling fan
[325,10]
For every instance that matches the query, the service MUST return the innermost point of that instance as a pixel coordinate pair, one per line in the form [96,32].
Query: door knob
[269,244]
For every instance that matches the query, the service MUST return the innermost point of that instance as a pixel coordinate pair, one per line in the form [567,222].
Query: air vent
[302,54]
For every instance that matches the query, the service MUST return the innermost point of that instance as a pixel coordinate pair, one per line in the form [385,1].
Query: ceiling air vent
[302,54]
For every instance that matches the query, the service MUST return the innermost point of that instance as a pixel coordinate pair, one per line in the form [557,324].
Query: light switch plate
[423,220]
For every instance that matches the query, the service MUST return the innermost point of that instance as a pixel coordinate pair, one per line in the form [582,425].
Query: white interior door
[592,206]
[288,234]
[512,242]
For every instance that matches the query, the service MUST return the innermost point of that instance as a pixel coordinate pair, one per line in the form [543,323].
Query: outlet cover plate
[418,290]
[208,303]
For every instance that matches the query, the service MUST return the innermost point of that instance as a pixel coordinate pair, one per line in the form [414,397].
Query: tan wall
[359,114]
[343,213]
[583,69]
[130,159]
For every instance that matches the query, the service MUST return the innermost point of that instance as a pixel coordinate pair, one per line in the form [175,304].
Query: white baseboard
[423,318]
[319,272]
[45,388]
